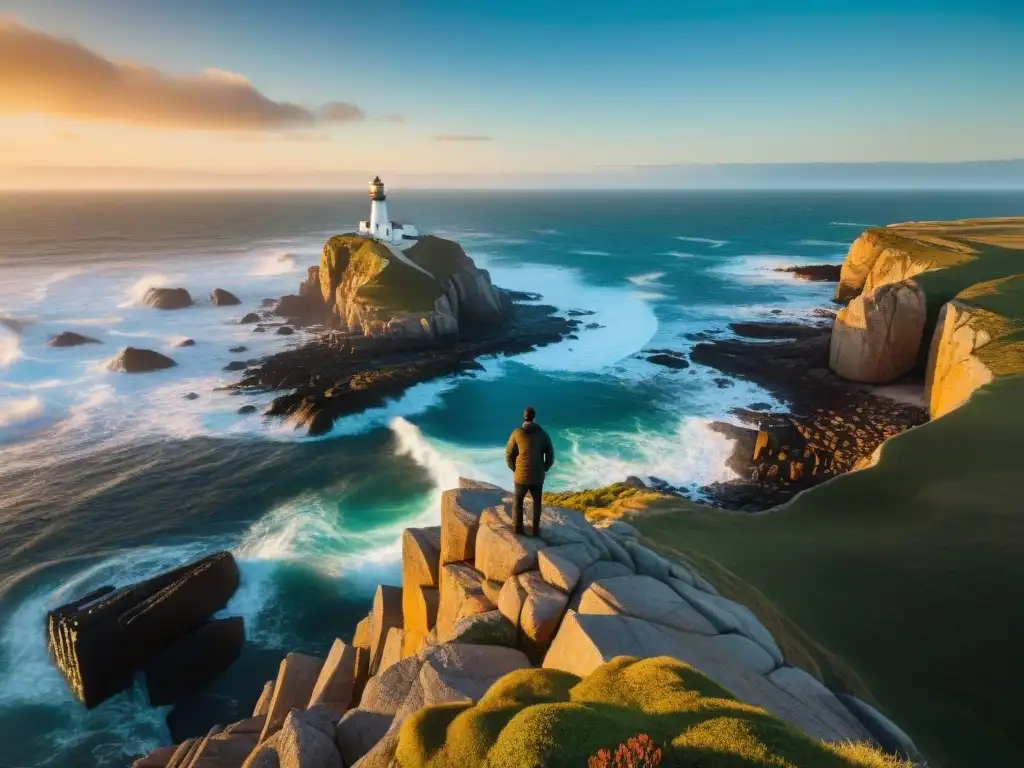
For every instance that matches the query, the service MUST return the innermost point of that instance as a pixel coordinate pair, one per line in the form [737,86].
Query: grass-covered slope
[906,578]
[543,717]
[998,309]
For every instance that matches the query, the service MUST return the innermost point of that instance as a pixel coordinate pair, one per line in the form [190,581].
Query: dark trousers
[535,492]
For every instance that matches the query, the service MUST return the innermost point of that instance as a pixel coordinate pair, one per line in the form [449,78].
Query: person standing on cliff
[529,454]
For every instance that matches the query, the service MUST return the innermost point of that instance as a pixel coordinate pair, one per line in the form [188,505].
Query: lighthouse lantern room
[380,226]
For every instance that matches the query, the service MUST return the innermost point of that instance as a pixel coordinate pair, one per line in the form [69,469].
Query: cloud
[394,119]
[41,74]
[461,137]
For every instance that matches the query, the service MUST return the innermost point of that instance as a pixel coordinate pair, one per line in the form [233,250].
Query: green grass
[999,310]
[906,578]
[544,717]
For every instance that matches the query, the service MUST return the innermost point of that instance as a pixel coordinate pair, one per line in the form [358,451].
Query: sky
[251,93]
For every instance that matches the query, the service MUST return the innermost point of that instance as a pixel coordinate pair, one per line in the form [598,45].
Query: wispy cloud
[461,137]
[41,74]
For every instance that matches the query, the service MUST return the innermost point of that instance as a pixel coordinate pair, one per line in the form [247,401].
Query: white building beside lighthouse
[380,226]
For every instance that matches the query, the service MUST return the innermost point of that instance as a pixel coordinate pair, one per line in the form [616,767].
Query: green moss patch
[543,717]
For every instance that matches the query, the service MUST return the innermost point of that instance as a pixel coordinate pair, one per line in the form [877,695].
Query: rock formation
[134,360]
[167,298]
[819,273]
[221,298]
[99,640]
[71,339]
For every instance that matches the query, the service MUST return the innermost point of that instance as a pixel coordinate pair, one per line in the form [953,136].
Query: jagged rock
[557,569]
[301,743]
[668,361]
[182,757]
[285,330]
[461,595]
[364,630]
[821,273]
[487,628]
[133,360]
[97,648]
[193,662]
[296,677]
[167,298]
[492,589]
[876,337]
[247,409]
[542,609]
[158,758]
[954,372]
[358,733]
[235,365]
[221,298]
[644,598]
[421,556]
[252,724]
[220,749]
[500,552]
[460,517]
[392,649]
[386,613]
[334,687]
[263,703]
[617,551]
[252,317]
[419,615]
[71,339]
[511,600]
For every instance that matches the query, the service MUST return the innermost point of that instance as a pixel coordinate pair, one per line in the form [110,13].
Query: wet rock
[191,396]
[722,382]
[167,298]
[221,298]
[133,360]
[669,361]
[247,409]
[819,273]
[185,343]
[776,330]
[285,330]
[194,661]
[235,365]
[238,349]
[71,339]
[252,317]
[580,313]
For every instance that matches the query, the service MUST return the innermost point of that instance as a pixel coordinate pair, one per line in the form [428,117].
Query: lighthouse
[380,226]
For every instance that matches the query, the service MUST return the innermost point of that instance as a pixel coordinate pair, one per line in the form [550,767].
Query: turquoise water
[106,478]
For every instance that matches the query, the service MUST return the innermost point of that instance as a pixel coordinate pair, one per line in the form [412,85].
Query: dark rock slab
[99,640]
[167,298]
[239,348]
[221,298]
[186,343]
[193,662]
[252,317]
[669,361]
[71,339]
[235,365]
[285,330]
[819,273]
[777,330]
[134,360]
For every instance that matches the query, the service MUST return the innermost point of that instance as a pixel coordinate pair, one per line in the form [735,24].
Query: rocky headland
[386,319]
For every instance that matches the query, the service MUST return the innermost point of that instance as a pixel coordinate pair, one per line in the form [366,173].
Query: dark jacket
[529,454]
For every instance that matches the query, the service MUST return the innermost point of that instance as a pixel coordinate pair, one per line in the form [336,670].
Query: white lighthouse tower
[380,226]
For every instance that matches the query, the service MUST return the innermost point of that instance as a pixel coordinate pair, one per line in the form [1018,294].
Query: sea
[108,478]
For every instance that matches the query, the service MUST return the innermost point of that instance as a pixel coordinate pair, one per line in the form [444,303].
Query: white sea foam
[591,253]
[41,291]
[710,241]
[137,290]
[679,254]
[648,278]
[648,295]
[19,410]
[278,263]
[825,243]
[762,268]
[850,224]
[10,348]
[546,231]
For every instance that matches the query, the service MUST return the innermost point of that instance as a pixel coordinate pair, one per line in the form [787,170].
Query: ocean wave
[10,349]
[278,263]
[591,253]
[825,243]
[136,292]
[648,295]
[648,278]
[679,254]
[850,224]
[762,269]
[708,240]
[546,231]
[20,410]
[41,291]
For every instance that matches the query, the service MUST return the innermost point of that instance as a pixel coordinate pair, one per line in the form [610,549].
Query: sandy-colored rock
[461,595]
[460,517]
[421,556]
[557,570]
[249,725]
[304,741]
[392,649]
[806,688]
[362,673]
[333,689]
[584,642]
[618,528]
[542,609]
[501,553]
[158,758]
[223,749]
[296,677]
[358,733]
[488,628]
[419,614]
[954,372]
[478,485]
[618,552]
[183,755]
[263,703]
[647,562]
[492,589]
[646,598]
[364,632]
[511,600]
[602,569]
[386,613]
[877,336]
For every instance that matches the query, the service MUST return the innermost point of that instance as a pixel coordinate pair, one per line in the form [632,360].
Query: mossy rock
[544,717]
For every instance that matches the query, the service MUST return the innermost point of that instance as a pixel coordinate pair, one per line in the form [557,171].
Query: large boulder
[542,611]
[461,595]
[263,702]
[334,687]
[304,741]
[359,731]
[392,649]
[167,298]
[487,628]
[419,616]
[71,339]
[99,640]
[644,598]
[460,518]
[500,552]
[219,749]
[585,642]
[877,336]
[386,614]
[296,678]
[194,661]
[558,570]
[955,370]
[221,298]
[134,360]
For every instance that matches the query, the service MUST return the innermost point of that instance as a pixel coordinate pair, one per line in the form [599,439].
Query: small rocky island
[391,316]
